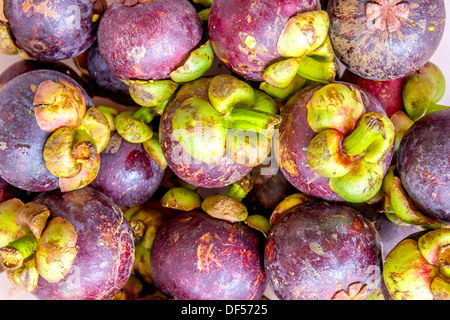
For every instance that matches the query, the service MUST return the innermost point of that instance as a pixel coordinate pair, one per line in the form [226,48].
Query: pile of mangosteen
[224,150]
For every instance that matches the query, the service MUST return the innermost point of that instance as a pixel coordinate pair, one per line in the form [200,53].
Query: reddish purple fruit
[388,92]
[8,191]
[128,174]
[423,164]
[21,139]
[105,246]
[232,21]
[321,252]
[148,40]
[56,30]
[197,257]
[384,39]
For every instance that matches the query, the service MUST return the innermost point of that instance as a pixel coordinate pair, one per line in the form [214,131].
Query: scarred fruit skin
[128,175]
[232,21]
[52,30]
[105,243]
[209,175]
[296,135]
[313,252]
[424,165]
[167,31]
[384,39]
[388,92]
[197,257]
[21,140]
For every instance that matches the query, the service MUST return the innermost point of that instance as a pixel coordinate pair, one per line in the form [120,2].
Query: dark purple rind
[380,55]
[315,251]
[230,265]
[423,162]
[230,22]
[52,30]
[21,140]
[150,40]
[106,247]
[105,82]
[8,191]
[128,175]
[23,66]
[295,134]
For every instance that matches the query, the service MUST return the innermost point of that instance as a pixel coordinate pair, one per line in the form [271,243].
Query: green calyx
[420,269]
[241,188]
[349,148]
[180,198]
[153,148]
[422,91]
[225,207]
[307,51]
[235,119]
[132,128]
[151,93]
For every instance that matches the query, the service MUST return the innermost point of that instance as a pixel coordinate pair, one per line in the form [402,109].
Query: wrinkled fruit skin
[168,30]
[197,257]
[295,136]
[23,66]
[104,81]
[315,251]
[213,175]
[382,55]
[388,92]
[424,165]
[128,175]
[56,30]
[231,21]
[21,140]
[105,243]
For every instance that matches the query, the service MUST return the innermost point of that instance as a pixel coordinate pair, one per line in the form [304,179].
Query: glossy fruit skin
[295,136]
[209,175]
[423,163]
[106,247]
[197,257]
[315,251]
[128,175]
[382,55]
[231,21]
[21,140]
[168,30]
[388,92]
[56,30]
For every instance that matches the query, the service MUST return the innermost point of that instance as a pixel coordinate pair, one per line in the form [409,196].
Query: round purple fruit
[423,164]
[127,174]
[385,39]
[199,257]
[29,113]
[322,251]
[55,30]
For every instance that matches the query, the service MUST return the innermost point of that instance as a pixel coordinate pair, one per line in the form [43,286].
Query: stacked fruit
[217,150]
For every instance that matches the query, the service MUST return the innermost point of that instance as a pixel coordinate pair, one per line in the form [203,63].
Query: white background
[441,58]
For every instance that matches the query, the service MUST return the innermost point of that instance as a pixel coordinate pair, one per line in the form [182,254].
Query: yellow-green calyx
[420,269]
[71,153]
[306,49]
[350,146]
[38,247]
[235,119]
[180,198]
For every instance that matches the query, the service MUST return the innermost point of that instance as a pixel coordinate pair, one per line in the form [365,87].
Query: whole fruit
[384,39]
[328,145]
[56,30]
[423,164]
[197,257]
[21,138]
[322,251]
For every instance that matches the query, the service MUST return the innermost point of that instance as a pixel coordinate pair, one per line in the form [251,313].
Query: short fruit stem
[362,137]
[13,255]
[145,114]
[315,70]
[249,119]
